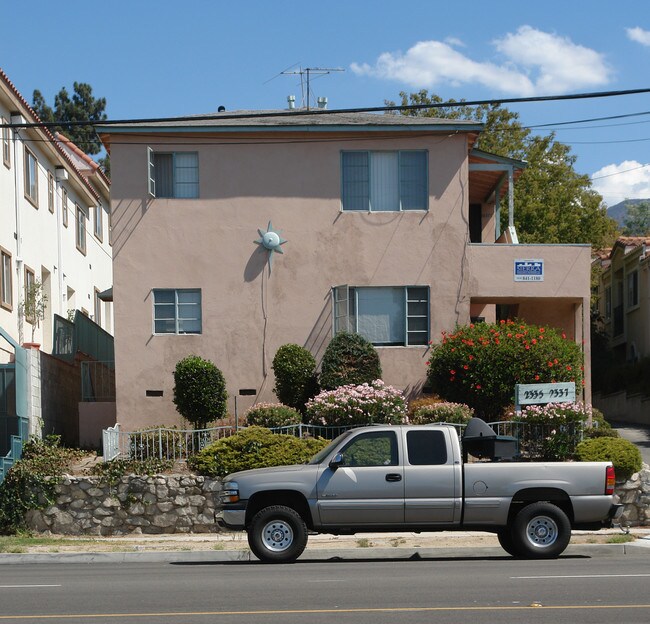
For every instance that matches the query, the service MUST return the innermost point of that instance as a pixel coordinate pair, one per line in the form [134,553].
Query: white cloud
[639,35]
[534,63]
[627,180]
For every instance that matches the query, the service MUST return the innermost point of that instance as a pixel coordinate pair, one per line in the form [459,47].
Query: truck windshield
[323,453]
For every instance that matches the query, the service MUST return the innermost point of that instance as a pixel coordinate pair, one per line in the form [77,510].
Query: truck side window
[426,448]
[376,448]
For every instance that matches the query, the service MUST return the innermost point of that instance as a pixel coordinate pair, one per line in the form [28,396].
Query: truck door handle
[393,476]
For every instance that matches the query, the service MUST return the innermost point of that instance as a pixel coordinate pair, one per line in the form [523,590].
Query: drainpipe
[511,197]
[16,118]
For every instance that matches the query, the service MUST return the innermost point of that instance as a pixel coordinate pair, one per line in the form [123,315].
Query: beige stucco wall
[248,312]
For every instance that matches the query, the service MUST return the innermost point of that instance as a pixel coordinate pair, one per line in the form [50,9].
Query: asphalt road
[639,434]
[480,589]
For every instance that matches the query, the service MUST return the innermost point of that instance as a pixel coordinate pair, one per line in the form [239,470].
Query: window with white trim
[30,290]
[80,229]
[64,207]
[50,192]
[608,302]
[384,181]
[173,174]
[177,311]
[99,222]
[633,289]
[98,308]
[6,143]
[31,177]
[383,315]
[6,280]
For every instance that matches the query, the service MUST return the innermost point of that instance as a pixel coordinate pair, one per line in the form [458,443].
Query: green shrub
[112,471]
[552,432]
[357,405]
[480,364]
[349,360]
[199,391]
[600,428]
[254,447]
[272,415]
[296,382]
[32,480]
[625,456]
[442,412]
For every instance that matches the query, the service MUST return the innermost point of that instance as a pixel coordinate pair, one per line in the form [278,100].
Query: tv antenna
[306,76]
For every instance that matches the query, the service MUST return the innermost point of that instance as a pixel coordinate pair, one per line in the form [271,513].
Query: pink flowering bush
[553,431]
[362,404]
[442,412]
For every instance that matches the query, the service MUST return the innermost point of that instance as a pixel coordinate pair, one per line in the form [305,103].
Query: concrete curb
[311,555]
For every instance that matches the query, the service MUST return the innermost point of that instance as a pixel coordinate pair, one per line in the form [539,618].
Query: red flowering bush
[480,364]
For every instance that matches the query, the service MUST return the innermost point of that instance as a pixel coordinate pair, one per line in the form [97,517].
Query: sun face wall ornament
[270,240]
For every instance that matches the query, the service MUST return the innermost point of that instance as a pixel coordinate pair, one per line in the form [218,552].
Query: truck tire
[277,534]
[506,541]
[541,531]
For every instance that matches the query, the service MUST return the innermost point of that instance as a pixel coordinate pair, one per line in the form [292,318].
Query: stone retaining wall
[185,504]
[159,504]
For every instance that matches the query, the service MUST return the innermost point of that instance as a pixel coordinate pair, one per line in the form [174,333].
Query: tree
[32,307]
[82,106]
[294,368]
[349,359]
[637,219]
[199,391]
[553,203]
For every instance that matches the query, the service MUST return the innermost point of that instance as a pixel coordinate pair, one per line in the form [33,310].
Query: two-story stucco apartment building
[388,226]
[54,225]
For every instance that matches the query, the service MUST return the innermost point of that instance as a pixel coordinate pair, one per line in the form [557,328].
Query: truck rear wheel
[277,534]
[506,541]
[541,531]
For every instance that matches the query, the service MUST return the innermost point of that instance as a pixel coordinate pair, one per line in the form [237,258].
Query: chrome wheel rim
[542,532]
[277,535]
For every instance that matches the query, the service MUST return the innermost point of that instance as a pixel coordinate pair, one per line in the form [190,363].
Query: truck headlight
[229,492]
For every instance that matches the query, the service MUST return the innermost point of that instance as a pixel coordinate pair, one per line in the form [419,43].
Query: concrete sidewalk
[222,548]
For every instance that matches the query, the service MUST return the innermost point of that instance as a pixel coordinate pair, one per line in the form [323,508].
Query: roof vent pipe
[322,102]
[291,99]
[221,109]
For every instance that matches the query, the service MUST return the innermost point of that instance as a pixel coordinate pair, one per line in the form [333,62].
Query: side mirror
[336,461]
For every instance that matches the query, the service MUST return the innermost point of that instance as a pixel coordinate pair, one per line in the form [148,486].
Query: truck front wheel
[277,534]
[541,531]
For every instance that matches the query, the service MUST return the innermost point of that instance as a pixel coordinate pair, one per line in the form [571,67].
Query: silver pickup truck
[414,478]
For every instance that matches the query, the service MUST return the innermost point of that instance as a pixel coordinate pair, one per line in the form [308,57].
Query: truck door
[432,478]
[367,488]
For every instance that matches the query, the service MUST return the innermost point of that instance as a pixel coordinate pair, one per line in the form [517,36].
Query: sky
[161,59]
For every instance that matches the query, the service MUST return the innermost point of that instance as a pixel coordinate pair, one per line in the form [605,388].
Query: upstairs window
[6,143]
[177,311]
[174,174]
[385,316]
[50,192]
[64,207]
[31,177]
[99,223]
[633,289]
[384,181]
[80,229]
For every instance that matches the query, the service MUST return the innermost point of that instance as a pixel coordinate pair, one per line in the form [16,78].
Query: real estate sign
[529,270]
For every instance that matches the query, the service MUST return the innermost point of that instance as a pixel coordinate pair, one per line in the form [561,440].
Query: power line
[301,113]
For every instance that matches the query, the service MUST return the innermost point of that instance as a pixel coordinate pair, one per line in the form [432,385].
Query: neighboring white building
[54,225]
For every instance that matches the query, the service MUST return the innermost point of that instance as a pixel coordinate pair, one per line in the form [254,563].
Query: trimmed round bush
[349,360]
[296,381]
[354,405]
[480,364]
[272,415]
[625,456]
[254,447]
[199,391]
[442,412]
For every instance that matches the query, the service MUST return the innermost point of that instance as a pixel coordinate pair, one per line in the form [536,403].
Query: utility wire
[325,112]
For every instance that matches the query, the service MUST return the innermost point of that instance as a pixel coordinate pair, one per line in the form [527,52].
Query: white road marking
[24,586]
[582,576]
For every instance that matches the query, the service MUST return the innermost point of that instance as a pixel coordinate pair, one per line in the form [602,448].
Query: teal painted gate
[14,419]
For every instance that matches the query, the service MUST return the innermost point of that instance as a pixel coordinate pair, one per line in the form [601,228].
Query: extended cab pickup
[413,478]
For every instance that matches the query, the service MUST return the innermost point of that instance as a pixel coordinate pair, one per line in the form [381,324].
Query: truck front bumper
[232,517]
